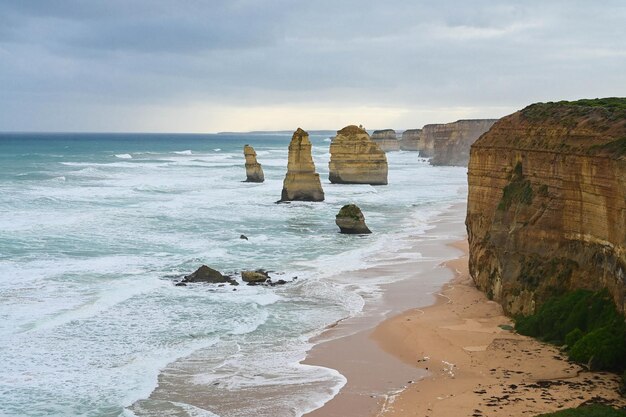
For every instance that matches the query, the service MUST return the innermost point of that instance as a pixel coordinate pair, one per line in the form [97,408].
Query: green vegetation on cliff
[518,191]
[569,113]
[587,322]
[588,411]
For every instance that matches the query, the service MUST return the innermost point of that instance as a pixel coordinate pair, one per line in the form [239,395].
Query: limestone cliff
[386,139]
[547,203]
[301,183]
[411,140]
[254,171]
[449,144]
[356,159]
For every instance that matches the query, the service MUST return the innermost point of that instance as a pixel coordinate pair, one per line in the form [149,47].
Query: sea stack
[350,220]
[301,183]
[386,139]
[356,159]
[411,140]
[547,203]
[254,172]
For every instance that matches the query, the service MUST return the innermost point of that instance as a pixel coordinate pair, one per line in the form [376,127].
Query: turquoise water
[96,228]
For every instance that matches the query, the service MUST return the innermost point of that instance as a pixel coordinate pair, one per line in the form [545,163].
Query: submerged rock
[356,159]
[350,220]
[210,275]
[301,183]
[254,171]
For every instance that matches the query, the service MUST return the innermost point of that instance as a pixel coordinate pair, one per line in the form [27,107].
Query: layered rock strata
[301,183]
[386,139]
[356,159]
[350,220]
[411,140]
[547,203]
[254,171]
[449,143]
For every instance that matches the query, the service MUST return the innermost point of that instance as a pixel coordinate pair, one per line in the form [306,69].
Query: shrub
[595,410]
[587,322]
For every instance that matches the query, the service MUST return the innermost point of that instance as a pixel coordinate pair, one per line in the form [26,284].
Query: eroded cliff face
[547,204]
[386,139]
[411,140]
[449,144]
[254,171]
[356,159]
[301,183]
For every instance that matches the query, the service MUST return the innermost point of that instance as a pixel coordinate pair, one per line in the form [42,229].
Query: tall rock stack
[547,203]
[301,183]
[254,172]
[453,141]
[356,159]
[411,140]
[386,139]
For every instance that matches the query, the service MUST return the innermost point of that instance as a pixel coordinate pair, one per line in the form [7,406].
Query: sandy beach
[457,357]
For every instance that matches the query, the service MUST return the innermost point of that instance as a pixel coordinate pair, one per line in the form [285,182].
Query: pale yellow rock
[547,203]
[449,144]
[386,139]
[254,171]
[411,140]
[356,159]
[301,183]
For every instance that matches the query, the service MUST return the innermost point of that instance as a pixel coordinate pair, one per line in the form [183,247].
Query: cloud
[65,57]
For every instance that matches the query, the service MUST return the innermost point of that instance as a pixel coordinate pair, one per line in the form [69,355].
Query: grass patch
[518,191]
[595,410]
[616,147]
[587,322]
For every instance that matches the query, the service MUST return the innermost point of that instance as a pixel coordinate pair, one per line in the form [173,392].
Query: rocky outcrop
[350,220]
[254,277]
[301,183]
[356,159]
[411,140]
[547,203]
[449,144]
[386,140]
[254,172]
[210,275]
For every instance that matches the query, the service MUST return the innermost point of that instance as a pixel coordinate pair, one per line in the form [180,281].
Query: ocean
[95,229]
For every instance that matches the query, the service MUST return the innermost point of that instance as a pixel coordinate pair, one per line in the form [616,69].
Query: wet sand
[455,358]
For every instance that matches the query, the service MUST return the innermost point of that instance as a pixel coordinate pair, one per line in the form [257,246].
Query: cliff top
[587,126]
[384,131]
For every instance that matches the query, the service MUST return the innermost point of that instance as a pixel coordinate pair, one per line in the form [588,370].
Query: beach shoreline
[457,356]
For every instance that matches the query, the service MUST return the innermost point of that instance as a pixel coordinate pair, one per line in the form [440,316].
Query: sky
[240,65]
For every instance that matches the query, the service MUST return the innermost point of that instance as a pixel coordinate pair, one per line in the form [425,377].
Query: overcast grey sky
[206,66]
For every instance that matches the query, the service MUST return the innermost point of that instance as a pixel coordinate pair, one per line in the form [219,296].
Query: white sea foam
[124,156]
[187,152]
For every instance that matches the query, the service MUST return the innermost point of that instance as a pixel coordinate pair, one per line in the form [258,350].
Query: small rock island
[350,220]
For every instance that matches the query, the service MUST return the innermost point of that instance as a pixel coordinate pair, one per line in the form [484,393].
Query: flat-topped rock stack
[254,171]
[356,159]
[386,139]
[411,140]
[301,183]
